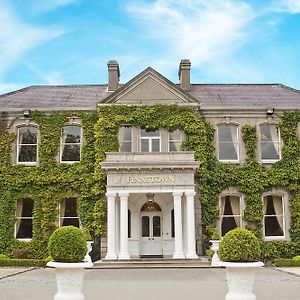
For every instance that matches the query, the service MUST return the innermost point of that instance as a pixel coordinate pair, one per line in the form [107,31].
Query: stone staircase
[152,263]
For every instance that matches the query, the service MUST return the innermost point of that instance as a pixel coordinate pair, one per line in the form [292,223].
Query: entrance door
[151,231]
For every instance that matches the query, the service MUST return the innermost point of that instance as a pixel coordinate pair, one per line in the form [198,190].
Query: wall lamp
[26,113]
[270,111]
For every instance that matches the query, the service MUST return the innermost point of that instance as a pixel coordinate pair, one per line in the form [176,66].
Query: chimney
[184,74]
[113,75]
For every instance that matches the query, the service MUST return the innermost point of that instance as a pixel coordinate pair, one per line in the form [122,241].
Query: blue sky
[71,41]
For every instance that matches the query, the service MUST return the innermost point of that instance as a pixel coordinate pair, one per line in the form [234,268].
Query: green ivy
[48,183]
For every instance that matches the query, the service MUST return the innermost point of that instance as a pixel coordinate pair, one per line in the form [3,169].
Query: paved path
[169,284]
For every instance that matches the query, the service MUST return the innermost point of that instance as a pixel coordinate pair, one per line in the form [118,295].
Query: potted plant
[67,247]
[240,253]
[215,241]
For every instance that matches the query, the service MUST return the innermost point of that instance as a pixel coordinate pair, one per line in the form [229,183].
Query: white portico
[150,205]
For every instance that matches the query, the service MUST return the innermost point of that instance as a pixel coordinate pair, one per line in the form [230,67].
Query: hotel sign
[149,179]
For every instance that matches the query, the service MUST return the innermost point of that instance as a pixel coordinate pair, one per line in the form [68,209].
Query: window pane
[27,153]
[269,150]
[175,139]
[227,151]
[125,139]
[228,142]
[274,219]
[154,133]
[155,145]
[145,226]
[71,134]
[27,135]
[230,212]
[70,207]
[227,133]
[156,226]
[173,146]
[24,218]
[71,221]
[145,145]
[71,153]
[175,135]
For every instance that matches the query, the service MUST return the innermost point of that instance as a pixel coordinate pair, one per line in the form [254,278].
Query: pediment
[148,88]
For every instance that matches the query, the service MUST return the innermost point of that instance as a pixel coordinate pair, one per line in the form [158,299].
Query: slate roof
[210,95]
[47,96]
[246,95]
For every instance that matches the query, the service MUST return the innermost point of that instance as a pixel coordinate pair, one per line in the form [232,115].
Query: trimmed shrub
[285,262]
[22,262]
[3,256]
[67,244]
[239,245]
[296,258]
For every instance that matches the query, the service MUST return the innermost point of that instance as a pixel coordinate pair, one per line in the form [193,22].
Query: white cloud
[17,37]
[292,6]
[197,29]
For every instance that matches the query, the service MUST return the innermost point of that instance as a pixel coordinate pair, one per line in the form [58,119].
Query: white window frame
[236,143]
[242,207]
[63,144]
[150,139]
[27,163]
[278,143]
[284,217]
[24,218]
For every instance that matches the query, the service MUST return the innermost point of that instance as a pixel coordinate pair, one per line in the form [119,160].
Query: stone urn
[215,247]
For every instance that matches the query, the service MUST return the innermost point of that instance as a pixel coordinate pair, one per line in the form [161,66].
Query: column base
[178,256]
[124,256]
[192,255]
[111,256]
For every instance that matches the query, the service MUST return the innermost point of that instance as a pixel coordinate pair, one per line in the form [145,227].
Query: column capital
[124,194]
[190,193]
[177,194]
[110,194]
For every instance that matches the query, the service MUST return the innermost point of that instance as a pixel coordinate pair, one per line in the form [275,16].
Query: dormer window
[71,144]
[27,145]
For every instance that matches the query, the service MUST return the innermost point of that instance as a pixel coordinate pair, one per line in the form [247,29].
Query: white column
[178,252]
[124,226]
[190,219]
[111,226]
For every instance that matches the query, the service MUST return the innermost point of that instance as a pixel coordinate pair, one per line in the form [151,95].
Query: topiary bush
[67,244]
[239,245]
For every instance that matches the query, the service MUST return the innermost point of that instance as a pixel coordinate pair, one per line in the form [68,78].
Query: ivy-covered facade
[150,167]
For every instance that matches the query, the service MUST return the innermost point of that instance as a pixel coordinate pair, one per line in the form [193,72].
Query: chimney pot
[184,74]
[113,75]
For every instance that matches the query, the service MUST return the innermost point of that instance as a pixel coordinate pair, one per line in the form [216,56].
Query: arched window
[274,216]
[228,142]
[71,144]
[27,145]
[230,213]
[24,213]
[68,212]
[269,136]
